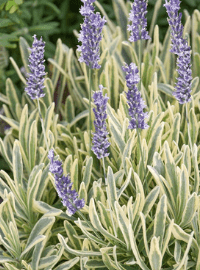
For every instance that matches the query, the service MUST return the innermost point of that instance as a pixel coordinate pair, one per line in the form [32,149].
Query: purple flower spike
[64,185]
[134,99]
[100,140]
[35,83]
[90,35]
[139,22]
[182,50]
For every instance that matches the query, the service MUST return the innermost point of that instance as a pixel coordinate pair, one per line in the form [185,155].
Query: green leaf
[185,256]
[74,174]
[89,235]
[24,46]
[123,224]
[45,208]
[97,224]
[33,186]
[189,211]
[4,154]
[48,120]
[170,167]
[166,89]
[68,265]
[81,115]
[69,109]
[76,252]
[194,126]
[155,256]
[4,259]
[111,193]
[176,128]
[183,190]
[159,222]
[10,267]
[17,164]
[117,138]
[144,233]
[71,233]
[125,184]
[128,149]
[135,250]
[150,200]
[40,227]
[180,234]
[18,73]
[14,124]
[106,259]
[121,14]
[33,144]
[41,29]
[87,172]
[35,241]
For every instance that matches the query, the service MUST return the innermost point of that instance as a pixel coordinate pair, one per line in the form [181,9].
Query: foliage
[136,229]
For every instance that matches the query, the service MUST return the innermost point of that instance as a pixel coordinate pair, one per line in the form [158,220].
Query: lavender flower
[64,185]
[139,22]
[100,140]
[134,99]
[90,35]
[36,78]
[180,47]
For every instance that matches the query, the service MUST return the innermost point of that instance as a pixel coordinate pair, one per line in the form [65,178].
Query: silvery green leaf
[76,252]
[18,72]
[123,224]
[24,46]
[87,172]
[107,260]
[35,241]
[97,224]
[68,265]
[159,221]
[135,250]
[189,211]
[155,256]
[112,193]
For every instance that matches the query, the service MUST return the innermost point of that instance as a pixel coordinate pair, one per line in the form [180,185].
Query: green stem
[145,180]
[104,171]
[42,123]
[188,125]
[140,89]
[140,64]
[90,86]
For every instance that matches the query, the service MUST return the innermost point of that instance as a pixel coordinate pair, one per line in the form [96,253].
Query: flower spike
[134,99]
[100,140]
[90,35]
[64,185]
[35,78]
[182,50]
[139,22]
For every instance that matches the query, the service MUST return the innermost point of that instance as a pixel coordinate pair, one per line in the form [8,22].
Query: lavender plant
[90,36]
[183,51]
[35,83]
[135,102]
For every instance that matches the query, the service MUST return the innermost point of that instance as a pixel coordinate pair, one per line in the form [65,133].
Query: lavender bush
[131,203]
